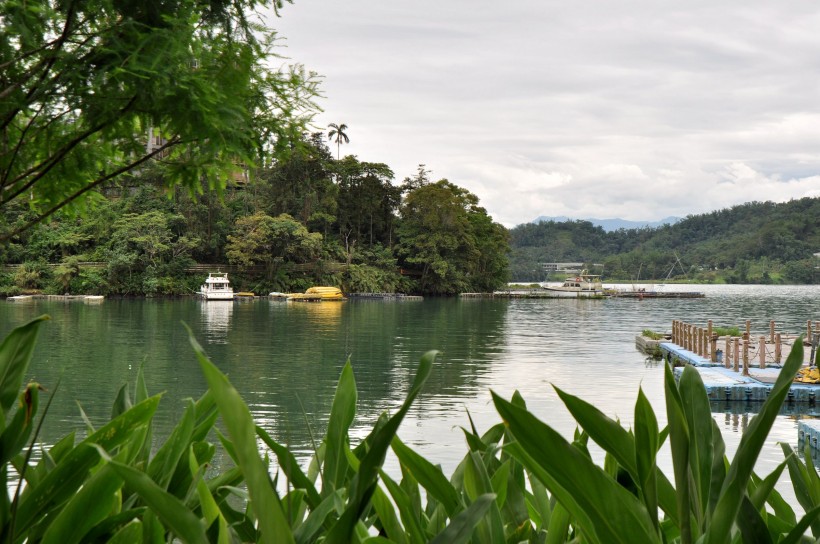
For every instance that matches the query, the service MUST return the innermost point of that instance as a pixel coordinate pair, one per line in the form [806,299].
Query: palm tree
[339,132]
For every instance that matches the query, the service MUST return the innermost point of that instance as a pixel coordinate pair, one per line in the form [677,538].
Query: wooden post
[808,329]
[687,336]
[711,342]
[698,341]
[777,349]
[736,353]
[761,347]
[727,362]
[771,330]
[674,336]
[746,356]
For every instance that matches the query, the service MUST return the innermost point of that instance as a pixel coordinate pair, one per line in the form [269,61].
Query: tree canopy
[92,89]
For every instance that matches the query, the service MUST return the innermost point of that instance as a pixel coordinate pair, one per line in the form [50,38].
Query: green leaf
[72,470]
[365,479]
[752,525]
[89,506]
[701,448]
[273,525]
[737,478]
[407,513]
[387,517]
[342,413]
[461,528]
[162,466]
[679,442]
[603,507]
[559,525]
[646,449]
[799,530]
[605,431]
[15,355]
[429,476]
[290,466]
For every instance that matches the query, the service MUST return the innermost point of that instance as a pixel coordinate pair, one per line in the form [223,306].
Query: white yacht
[216,287]
[581,285]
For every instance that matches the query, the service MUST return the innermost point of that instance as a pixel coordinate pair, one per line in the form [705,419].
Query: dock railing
[739,351]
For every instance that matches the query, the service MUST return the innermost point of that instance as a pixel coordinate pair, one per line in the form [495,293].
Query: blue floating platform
[724,384]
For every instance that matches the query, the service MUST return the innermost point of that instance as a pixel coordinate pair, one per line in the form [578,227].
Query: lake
[285,358]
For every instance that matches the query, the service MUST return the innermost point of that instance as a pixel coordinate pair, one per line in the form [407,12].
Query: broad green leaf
[606,432]
[364,481]
[273,526]
[387,517]
[478,484]
[409,518]
[603,507]
[461,528]
[15,355]
[646,449]
[173,513]
[130,533]
[752,525]
[342,413]
[429,476]
[701,449]
[559,525]
[72,469]
[799,530]
[90,505]
[162,466]
[16,434]
[766,486]
[289,465]
[679,442]
[751,442]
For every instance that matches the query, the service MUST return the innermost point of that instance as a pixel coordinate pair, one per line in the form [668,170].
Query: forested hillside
[757,242]
[306,219]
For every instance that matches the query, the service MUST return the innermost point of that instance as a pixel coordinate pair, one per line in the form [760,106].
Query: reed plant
[519,480]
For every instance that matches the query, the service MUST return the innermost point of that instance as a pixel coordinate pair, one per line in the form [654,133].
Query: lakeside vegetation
[306,220]
[115,485]
[756,242]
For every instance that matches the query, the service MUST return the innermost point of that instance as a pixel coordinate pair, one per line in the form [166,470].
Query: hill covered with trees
[757,242]
[305,219]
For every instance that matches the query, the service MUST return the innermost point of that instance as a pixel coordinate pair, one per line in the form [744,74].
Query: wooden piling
[761,347]
[727,353]
[777,349]
[736,353]
[748,334]
[746,356]
[808,329]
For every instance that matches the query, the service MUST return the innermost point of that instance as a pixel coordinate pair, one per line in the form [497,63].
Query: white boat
[216,287]
[582,285]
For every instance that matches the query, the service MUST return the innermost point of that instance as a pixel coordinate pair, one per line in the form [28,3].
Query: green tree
[450,241]
[338,131]
[94,89]
[260,239]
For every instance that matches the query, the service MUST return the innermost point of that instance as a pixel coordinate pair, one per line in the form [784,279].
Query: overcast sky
[590,109]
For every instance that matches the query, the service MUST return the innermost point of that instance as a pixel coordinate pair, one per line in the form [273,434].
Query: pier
[740,368]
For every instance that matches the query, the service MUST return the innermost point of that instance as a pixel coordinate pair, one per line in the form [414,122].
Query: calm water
[285,358]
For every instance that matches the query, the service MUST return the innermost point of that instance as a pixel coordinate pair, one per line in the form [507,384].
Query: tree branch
[92,185]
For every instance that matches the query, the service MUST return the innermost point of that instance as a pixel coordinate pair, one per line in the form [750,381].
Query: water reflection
[216,319]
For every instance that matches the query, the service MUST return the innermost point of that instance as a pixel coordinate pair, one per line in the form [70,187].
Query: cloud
[633,109]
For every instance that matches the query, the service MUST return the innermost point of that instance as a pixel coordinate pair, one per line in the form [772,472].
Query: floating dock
[747,367]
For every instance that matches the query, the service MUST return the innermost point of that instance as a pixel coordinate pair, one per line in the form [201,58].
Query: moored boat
[581,285]
[216,287]
[318,294]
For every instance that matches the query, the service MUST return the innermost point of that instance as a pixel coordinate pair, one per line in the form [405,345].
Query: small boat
[216,287]
[582,285]
[315,294]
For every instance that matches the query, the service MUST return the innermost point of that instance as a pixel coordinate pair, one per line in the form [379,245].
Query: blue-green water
[285,358]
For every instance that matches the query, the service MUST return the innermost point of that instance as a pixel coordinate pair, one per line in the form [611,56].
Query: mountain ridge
[611,224]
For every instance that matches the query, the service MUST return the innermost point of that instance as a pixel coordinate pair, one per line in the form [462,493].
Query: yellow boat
[318,294]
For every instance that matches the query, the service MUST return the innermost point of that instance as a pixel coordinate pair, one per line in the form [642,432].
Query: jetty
[61,298]
[739,368]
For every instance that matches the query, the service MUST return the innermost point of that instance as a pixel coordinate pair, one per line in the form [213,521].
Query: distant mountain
[610,225]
